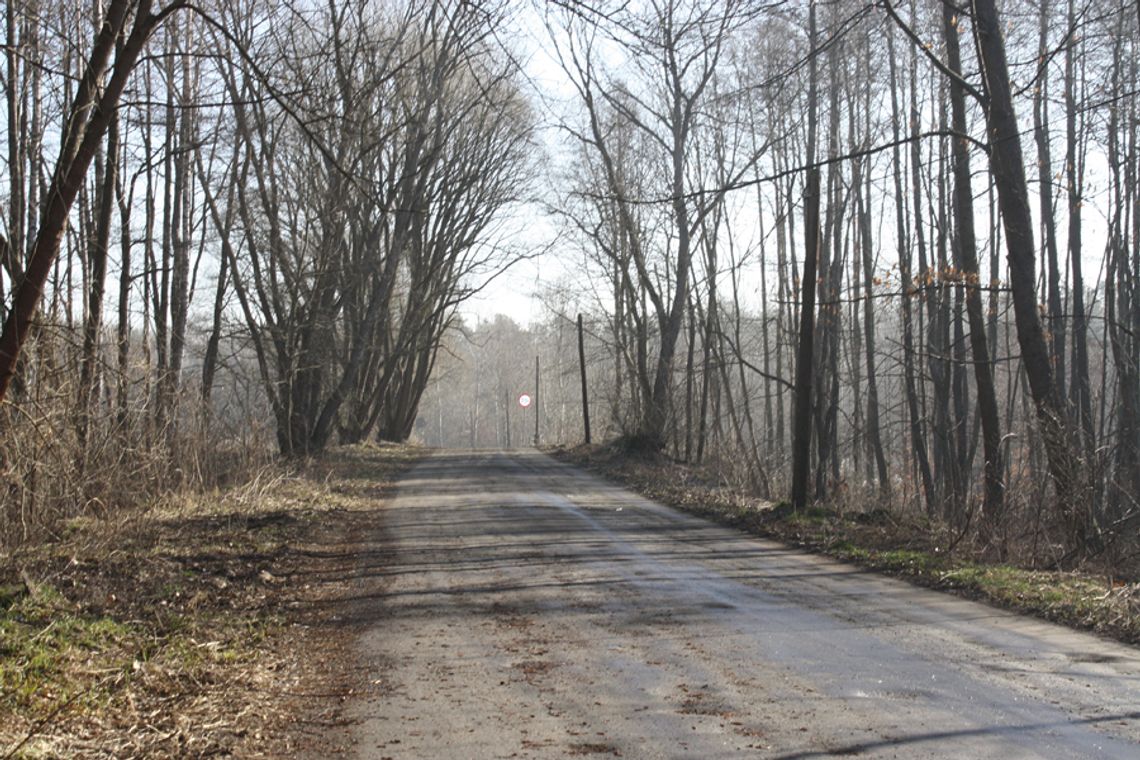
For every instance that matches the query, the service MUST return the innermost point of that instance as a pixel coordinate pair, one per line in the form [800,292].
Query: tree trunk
[88,385]
[992,509]
[181,226]
[210,357]
[88,118]
[874,433]
[917,433]
[1008,169]
[1081,393]
[123,333]
[801,426]
[1056,332]
[689,371]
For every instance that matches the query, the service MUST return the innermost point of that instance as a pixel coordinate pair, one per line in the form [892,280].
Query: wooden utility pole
[507,405]
[537,396]
[582,366]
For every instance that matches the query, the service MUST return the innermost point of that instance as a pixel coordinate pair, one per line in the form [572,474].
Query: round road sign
[525,400]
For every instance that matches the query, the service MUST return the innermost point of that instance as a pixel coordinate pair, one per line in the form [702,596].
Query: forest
[884,254]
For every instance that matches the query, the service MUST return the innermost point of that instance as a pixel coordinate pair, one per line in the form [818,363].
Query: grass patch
[810,516]
[897,561]
[1066,597]
[43,641]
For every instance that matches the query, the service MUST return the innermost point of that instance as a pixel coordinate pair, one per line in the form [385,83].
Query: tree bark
[994,487]
[1008,168]
[917,433]
[88,119]
[801,427]
[874,433]
[1080,391]
[1056,332]
[98,250]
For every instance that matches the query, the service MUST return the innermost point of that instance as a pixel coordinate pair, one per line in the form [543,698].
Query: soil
[218,626]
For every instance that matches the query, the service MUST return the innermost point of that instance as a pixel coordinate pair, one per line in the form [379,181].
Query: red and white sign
[525,400]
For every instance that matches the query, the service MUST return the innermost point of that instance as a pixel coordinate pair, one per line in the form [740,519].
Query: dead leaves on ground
[189,631]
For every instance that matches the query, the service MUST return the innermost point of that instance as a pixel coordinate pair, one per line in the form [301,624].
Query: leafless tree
[673,52]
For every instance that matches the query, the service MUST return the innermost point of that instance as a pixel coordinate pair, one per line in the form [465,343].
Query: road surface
[528,610]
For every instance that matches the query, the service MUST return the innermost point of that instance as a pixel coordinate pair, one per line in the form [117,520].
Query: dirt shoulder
[906,547]
[215,626]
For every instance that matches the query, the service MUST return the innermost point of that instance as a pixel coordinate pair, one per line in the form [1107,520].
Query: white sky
[516,293]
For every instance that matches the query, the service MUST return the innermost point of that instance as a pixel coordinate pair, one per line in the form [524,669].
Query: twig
[36,729]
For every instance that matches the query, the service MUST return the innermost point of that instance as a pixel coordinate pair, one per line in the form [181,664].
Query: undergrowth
[181,631]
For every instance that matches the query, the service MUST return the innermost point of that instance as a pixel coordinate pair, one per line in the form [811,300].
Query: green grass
[810,516]
[43,640]
[903,561]
[1030,589]
[1070,598]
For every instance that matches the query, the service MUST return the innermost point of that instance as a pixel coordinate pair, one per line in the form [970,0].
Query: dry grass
[189,629]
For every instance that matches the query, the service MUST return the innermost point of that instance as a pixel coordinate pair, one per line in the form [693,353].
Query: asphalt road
[528,610]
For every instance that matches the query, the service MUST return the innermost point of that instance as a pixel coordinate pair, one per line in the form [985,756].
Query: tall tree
[674,50]
[801,424]
[917,430]
[967,263]
[1008,168]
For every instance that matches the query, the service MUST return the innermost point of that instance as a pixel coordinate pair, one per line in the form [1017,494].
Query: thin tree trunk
[689,368]
[801,426]
[123,335]
[1081,393]
[993,504]
[88,386]
[917,434]
[210,358]
[181,228]
[706,380]
[830,312]
[874,433]
[1056,334]
[14,246]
